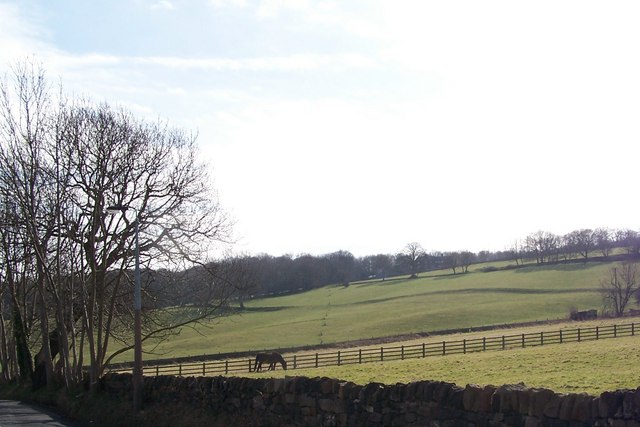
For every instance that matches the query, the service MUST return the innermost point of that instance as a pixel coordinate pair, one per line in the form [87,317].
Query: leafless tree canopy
[65,265]
[622,283]
[412,255]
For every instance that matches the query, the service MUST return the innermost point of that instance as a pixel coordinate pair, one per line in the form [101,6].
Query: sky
[363,125]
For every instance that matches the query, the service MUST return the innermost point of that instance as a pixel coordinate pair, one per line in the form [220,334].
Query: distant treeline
[271,275]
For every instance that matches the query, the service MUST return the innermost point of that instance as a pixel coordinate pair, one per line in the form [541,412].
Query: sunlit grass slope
[587,367]
[434,301]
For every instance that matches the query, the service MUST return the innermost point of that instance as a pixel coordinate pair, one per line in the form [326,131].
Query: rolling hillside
[435,301]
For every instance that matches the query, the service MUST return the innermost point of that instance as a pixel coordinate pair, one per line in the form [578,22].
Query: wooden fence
[382,354]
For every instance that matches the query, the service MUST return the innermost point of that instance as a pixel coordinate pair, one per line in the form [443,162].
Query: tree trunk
[25,366]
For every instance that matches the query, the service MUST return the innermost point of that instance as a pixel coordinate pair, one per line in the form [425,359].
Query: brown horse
[271,359]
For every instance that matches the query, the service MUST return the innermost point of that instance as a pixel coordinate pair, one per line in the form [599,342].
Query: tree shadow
[572,266]
[450,276]
[521,291]
[380,282]
[265,309]
[576,264]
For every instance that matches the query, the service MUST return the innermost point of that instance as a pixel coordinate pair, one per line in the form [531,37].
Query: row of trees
[287,273]
[65,265]
[548,247]
[541,247]
[273,275]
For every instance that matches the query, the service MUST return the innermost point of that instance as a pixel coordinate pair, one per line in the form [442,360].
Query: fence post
[484,343]
[542,338]
[632,329]
[597,333]
[424,352]
[382,354]
[157,370]
[226,367]
[444,348]
[402,352]
[578,334]
[249,365]
[522,340]
[204,369]
[615,331]
[316,360]
[360,355]
[295,362]
[180,370]
[338,357]
[503,343]
[560,336]
[464,346]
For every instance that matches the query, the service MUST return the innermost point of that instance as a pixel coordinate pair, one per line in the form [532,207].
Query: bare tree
[542,245]
[61,165]
[466,259]
[240,273]
[582,241]
[413,254]
[621,284]
[603,241]
[628,239]
[379,266]
[515,251]
[17,318]
[29,173]
[568,249]
[453,261]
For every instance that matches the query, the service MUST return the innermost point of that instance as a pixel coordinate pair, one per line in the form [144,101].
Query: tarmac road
[14,414]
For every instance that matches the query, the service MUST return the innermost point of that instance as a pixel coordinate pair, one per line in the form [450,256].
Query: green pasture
[435,301]
[588,367]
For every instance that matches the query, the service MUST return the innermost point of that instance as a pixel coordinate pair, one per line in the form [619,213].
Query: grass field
[587,367]
[435,301]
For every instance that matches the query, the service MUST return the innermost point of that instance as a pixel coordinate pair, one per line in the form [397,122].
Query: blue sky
[365,125]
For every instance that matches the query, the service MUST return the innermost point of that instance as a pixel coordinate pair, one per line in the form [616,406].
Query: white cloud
[19,35]
[284,63]
[228,3]
[163,5]
[273,8]
[347,17]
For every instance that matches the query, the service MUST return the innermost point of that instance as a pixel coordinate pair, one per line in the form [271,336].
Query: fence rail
[381,354]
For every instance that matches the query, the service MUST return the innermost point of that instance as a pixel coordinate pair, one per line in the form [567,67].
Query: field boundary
[402,352]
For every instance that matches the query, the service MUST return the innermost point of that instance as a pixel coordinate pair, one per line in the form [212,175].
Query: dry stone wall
[302,401]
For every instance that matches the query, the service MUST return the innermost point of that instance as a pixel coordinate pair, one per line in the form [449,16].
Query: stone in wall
[478,399]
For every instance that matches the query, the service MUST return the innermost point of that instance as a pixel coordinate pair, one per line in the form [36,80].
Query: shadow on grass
[404,279]
[265,309]
[529,268]
[528,291]
[573,266]
[379,282]
[521,291]
[451,276]
[577,264]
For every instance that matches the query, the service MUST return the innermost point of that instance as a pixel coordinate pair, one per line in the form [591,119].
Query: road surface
[14,414]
